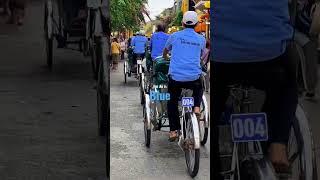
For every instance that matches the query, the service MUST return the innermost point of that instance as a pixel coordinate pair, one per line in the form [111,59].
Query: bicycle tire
[125,72]
[303,135]
[141,95]
[193,168]
[204,140]
[204,135]
[147,132]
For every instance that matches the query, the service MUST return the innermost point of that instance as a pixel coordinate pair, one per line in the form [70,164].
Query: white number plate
[249,127]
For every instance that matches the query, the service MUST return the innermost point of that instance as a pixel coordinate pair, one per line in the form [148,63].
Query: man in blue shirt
[251,41]
[139,43]
[186,47]
[158,41]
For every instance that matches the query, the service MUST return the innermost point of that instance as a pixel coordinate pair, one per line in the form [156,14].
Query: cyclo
[79,22]
[128,67]
[193,134]
[84,23]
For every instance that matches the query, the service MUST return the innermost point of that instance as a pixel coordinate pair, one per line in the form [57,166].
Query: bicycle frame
[246,150]
[195,124]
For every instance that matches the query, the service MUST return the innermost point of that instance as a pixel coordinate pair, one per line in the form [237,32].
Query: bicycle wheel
[301,148]
[146,122]
[141,95]
[204,128]
[125,71]
[142,89]
[192,152]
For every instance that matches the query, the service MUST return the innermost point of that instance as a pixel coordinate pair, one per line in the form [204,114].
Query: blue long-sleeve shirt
[139,44]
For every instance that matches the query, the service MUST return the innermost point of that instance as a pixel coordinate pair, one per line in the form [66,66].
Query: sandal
[173,136]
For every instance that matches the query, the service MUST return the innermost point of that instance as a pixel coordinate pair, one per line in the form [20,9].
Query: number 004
[248,128]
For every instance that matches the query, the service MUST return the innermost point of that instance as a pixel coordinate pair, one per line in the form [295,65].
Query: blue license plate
[249,127]
[187,102]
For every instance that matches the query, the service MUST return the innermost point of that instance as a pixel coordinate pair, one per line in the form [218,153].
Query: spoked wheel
[125,71]
[147,131]
[192,154]
[147,83]
[301,148]
[139,74]
[141,95]
[204,130]
[142,99]
[101,106]
[48,28]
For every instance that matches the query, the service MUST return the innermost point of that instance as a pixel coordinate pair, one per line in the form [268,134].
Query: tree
[178,19]
[127,14]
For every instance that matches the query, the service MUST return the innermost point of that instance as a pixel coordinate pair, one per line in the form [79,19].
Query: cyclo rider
[255,45]
[138,44]
[158,41]
[186,47]
[130,48]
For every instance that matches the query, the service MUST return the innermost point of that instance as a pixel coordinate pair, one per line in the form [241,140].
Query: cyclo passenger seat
[161,69]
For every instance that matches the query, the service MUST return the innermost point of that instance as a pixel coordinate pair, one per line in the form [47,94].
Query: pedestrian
[123,48]
[115,53]
[17,11]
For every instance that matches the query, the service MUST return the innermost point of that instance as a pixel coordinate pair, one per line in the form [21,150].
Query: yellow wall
[185,6]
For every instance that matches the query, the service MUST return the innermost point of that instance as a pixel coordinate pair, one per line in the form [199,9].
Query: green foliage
[126,14]
[178,19]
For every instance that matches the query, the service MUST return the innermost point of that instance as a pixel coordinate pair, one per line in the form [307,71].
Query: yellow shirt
[115,48]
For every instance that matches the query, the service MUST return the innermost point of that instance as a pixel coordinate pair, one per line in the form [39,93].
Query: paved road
[48,126]
[129,156]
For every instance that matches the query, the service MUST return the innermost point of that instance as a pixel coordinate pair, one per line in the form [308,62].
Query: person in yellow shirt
[115,53]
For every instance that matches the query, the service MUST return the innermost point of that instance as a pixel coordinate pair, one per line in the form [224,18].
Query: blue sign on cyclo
[249,127]
[187,102]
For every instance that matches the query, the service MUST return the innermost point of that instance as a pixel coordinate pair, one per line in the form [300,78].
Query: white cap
[142,32]
[190,18]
